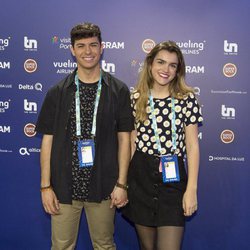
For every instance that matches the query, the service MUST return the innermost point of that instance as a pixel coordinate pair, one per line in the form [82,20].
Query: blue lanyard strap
[154,123]
[155,127]
[173,126]
[77,108]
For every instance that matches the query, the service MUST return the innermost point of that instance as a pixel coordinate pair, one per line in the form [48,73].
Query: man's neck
[89,75]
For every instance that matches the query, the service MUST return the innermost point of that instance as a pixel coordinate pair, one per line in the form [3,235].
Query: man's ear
[102,47]
[72,50]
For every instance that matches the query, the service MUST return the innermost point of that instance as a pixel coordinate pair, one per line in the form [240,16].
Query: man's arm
[49,200]
[119,194]
[132,143]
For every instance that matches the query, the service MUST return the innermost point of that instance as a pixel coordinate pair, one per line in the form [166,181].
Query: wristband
[125,186]
[45,188]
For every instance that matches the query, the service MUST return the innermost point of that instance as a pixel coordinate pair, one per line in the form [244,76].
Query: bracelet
[45,188]
[125,186]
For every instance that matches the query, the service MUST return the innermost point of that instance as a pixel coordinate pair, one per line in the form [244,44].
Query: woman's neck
[160,91]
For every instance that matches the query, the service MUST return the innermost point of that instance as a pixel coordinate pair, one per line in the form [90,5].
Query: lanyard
[155,128]
[77,100]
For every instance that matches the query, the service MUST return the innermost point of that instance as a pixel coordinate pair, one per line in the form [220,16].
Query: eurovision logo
[29,129]
[229,70]
[227,136]
[30,65]
[148,45]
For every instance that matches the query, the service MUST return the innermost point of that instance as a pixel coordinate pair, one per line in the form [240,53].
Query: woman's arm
[190,203]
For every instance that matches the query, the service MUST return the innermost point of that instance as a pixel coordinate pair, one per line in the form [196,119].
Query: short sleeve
[125,122]
[46,118]
[134,96]
[193,113]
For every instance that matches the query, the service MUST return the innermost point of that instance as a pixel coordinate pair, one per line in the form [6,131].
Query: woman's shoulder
[189,96]
[135,94]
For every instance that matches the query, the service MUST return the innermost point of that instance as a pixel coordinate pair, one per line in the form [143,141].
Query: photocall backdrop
[34,55]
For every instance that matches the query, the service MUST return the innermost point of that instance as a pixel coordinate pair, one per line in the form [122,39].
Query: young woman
[166,131]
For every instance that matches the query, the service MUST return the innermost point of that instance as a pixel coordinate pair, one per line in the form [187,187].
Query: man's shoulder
[111,79]
[61,84]
[114,82]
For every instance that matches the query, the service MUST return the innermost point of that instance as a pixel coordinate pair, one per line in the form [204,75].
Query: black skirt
[152,202]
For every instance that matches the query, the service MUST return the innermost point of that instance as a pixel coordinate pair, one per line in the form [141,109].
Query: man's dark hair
[85,30]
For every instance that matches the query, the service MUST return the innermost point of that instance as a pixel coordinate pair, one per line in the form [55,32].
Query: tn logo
[30,106]
[30,43]
[227,112]
[230,47]
[108,67]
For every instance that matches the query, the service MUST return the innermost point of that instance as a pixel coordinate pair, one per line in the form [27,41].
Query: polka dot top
[187,111]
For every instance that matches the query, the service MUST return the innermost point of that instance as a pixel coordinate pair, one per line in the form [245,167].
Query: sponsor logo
[37,86]
[28,151]
[68,64]
[64,67]
[229,70]
[55,39]
[200,135]
[4,105]
[4,129]
[30,65]
[5,86]
[30,44]
[62,43]
[108,67]
[191,48]
[113,45]
[197,90]
[4,65]
[227,136]
[30,107]
[148,45]
[29,130]
[5,150]
[227,113]
[226,158]
[195,69]
[230,48]
[230,92]
[4,43]
[137,64]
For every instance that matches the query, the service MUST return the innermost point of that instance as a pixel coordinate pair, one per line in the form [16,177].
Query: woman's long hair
[177,87]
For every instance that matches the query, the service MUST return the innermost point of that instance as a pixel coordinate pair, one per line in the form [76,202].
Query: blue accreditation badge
[86,153]
[170,169]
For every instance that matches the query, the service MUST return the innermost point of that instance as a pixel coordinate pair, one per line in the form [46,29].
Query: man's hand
[118,197]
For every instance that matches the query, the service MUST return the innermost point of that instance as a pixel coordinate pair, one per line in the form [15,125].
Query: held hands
[118,197]
[189,202]
[50,202]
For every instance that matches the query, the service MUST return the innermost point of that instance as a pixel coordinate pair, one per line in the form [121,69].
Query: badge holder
[86,153]
[170,169]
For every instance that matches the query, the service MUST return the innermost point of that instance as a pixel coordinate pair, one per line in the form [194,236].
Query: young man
[86,121]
